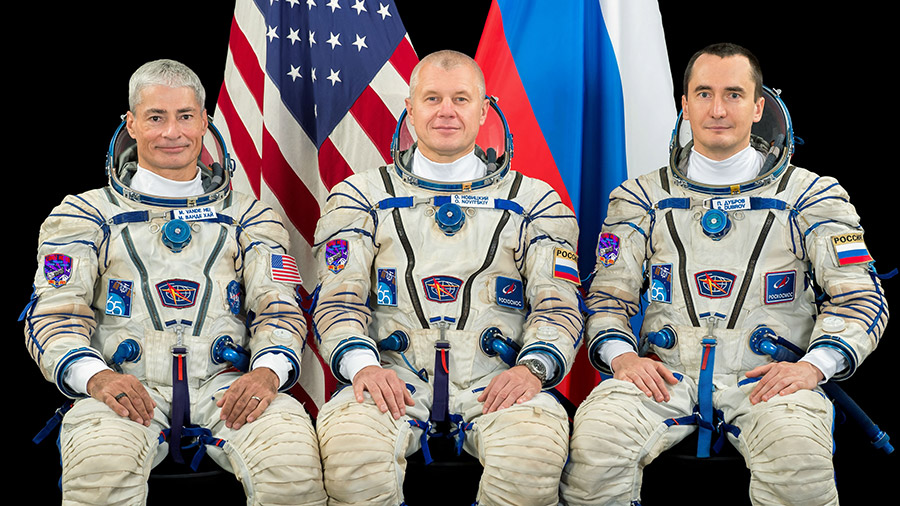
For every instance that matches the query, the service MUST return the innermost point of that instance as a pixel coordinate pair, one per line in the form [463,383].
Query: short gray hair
[165,73]
[446,59]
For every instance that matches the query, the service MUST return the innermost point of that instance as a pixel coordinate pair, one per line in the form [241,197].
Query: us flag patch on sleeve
[850,249]
[284,269]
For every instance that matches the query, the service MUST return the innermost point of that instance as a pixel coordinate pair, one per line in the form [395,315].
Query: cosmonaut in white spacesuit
[731,244]
[143,288]
[422,265]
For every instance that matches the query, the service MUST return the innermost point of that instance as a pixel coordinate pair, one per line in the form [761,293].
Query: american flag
[312,93]
[284,268]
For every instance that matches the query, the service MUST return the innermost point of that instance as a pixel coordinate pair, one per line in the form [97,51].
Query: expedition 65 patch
[387,287]
[57,269]
[660,289]
[118,298]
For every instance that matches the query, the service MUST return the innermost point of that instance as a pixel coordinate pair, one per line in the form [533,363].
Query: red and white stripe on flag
[311,94]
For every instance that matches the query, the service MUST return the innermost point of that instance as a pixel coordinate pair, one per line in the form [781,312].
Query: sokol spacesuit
[445,267]
[724,269]
[179,279]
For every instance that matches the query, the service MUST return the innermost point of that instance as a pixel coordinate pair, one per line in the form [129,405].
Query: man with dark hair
[759,288]
[144,287]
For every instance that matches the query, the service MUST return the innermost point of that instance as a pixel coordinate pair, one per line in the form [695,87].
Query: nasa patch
[780,286]
[607,249]
[660,283]
[387,287]
[233,294]
[177,293]
[441,288]
[714,284]
[336,254]
[57,269]
[118,298]
[510,293]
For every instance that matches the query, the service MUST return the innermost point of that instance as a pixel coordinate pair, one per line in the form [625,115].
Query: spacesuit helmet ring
[494,134]
[773,133]
[214,161]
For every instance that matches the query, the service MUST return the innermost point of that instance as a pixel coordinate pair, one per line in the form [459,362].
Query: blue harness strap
[426,428]
[53,422]
[400,202]
[181,402]
[440,408]
[704,397]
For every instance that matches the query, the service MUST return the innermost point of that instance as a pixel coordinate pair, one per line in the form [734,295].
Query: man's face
[446,111]
[168,125]
[720,105]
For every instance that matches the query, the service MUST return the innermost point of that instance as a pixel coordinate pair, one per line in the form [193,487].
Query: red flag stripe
[241,143]
[404,59]
[247,63]
[298,203]
[332,166]
[376,121]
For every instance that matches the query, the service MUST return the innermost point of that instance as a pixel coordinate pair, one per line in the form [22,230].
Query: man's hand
[783,378]
[647,374]
[247,398]
[388,391]
[514,385]
[124,394]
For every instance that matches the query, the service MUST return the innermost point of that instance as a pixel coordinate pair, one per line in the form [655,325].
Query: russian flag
[586,88]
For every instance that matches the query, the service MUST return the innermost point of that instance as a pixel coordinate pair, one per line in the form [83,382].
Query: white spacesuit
[174,277]
[718,264]
[445,266]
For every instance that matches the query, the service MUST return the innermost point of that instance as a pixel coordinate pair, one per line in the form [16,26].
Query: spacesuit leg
[787,445]
[617,431]
[106,458]
[275,457]
[522,449]
[364,450]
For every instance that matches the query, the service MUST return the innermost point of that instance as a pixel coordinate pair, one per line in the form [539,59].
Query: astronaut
[423,264]
[731,244]
[142,285]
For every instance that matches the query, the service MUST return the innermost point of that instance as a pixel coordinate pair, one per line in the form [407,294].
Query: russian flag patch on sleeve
[565,265]
[850,249]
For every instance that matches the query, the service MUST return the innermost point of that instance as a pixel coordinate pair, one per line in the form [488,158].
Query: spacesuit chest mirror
[773,134]
[494,146]
[216,167]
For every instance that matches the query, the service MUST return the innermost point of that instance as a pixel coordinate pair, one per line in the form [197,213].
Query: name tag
[194,214]
[731,204]
[472,200]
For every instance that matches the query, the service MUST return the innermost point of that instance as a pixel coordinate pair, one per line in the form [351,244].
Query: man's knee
[276,457]
[788,445]
[363,452]
[523,449]
[106,458]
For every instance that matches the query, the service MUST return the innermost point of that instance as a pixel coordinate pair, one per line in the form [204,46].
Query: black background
[833,66]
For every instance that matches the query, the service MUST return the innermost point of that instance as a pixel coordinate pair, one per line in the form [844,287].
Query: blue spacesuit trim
[841,346]
[343,347]
[65,362]
[600,338]
[290,355]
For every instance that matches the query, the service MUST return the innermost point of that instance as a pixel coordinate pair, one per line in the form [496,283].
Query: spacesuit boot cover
[714,278]
[386,265]
[109,271]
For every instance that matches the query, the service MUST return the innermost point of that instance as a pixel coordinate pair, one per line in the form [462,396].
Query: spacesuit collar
[738,168]
[149,182]
[465,168]
[495,170]
[679,165]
